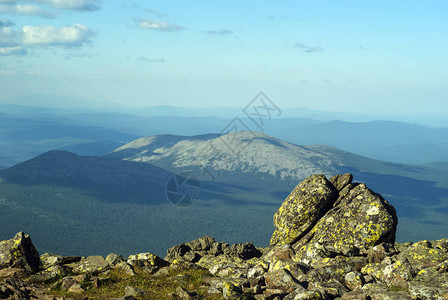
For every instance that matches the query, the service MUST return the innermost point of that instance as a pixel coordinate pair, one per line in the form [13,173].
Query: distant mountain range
[27,131]
[120,200]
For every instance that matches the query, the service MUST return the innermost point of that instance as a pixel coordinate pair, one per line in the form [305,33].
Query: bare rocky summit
[333,239]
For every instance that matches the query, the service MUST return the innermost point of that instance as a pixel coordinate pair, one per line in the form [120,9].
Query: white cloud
[70,36]
[14,8]
[82,5]
[158,25]
[145,59]
[16,50]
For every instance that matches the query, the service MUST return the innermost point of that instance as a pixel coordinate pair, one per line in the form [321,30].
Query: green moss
[398,288]
[157,287]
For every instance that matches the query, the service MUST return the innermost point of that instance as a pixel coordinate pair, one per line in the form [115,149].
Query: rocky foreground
[333,239]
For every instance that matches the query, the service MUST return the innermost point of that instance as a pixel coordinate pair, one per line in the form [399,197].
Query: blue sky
[385,57]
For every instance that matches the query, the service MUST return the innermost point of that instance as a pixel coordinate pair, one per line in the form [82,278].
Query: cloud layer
[39,7]
[8,51]
[16,42]
[69,36]
[158,25]
[15,8]
[81,5]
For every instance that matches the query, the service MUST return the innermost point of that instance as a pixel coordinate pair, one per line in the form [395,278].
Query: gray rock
[354,280]
[48,260]
[91,265]
[147,261]
[114,259]
[361,220]
[341,181]
[231,291]
[185,294]
[428,291]
[19,252]
[300,211]
[245,251]
[133,291]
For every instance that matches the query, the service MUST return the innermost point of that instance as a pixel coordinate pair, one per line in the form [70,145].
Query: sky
[384,57]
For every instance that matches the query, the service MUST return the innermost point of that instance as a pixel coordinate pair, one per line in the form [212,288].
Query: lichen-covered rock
[330,289]
[394,273]
[13,288]
[341,181]
[226,266]
[282,279]
[147,261]
[374,291]
[125,267]
[245,250]
[12,273]
[379,252]
[424,254]
[231,291]
[301,294]
[304,206]
[48,260]
[91,265]
[194,250]
[19,252]
[354,280]
[361,220]
[428,291]
[114,259]
[50,274]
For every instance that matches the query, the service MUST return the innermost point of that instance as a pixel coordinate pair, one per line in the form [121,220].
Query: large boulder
[361,220]
[300,211]
[336,215]
[19,252]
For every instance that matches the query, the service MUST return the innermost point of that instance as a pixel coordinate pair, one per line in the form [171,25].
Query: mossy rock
[304,206]
[19,252]
[361,220]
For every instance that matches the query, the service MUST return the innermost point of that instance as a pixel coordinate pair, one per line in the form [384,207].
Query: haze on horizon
[376,57]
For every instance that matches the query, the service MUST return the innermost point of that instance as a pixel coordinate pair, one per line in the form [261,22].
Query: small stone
[185,294]
[133,291]
[113,259]
[231,291]
[148,261]
[125,268]
[354,280]
[304,295]
[12,273]
[91,265]
[76,288]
